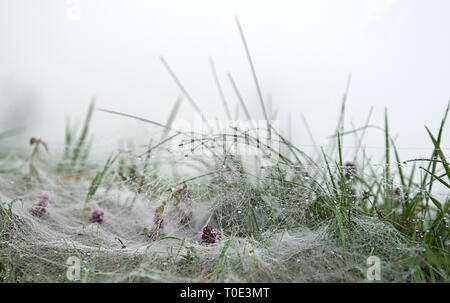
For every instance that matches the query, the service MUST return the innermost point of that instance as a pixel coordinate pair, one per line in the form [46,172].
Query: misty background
[56,55]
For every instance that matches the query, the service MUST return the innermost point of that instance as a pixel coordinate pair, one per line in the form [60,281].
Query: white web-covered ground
[118,249]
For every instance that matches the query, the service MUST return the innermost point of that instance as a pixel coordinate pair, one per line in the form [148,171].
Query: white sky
[397,51]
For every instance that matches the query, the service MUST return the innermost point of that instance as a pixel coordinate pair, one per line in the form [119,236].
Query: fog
[55,56]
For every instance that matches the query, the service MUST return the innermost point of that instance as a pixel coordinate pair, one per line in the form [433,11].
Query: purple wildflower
[45,195]
[162,224]
[208,235]
[40,210]
[350,170]
[97,217]
[45,198]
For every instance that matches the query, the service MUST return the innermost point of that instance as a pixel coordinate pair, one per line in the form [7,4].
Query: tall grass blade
[255,78]
[82,139]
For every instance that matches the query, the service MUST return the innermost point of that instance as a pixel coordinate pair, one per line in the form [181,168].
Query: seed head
[185,195]
[350,170]
[38,211]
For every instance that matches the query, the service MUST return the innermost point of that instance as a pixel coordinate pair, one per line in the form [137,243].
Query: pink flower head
[162,224]
[45,195]
[97,217]
[45,198]
[208,235]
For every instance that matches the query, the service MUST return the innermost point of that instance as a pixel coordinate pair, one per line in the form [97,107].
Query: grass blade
[84,132]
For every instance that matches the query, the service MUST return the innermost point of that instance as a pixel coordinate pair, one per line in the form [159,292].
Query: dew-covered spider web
[270,225]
